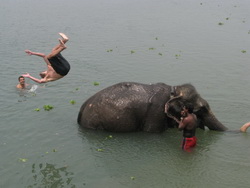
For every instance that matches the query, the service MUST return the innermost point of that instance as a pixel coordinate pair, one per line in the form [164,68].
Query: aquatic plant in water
[23,160]
[96,83]
[177,56]
[72,101]
[109,137]
[47,107]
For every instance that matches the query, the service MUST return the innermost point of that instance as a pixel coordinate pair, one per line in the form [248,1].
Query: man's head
[188,107]
[42,74]
[21,80]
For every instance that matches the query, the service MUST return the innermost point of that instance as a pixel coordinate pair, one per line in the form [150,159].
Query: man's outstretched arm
[35,53]
[27,75]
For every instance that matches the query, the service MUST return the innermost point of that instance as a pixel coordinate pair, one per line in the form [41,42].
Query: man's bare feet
[64,37]
[62,43]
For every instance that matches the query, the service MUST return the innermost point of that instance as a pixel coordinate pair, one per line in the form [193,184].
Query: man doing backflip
[57,65]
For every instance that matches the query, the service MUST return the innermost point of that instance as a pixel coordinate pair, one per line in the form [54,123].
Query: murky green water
[205,43]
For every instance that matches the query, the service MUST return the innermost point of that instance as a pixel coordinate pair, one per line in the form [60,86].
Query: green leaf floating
[72,102]
[96,83]
[47,107]
[23,160]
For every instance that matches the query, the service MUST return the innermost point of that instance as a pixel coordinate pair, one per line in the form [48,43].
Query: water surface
[205,43]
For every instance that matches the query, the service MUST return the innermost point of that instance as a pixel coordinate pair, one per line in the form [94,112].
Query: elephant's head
[187,94]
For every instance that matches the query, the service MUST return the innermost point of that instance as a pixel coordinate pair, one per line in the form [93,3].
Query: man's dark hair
[189,107]
[20,77]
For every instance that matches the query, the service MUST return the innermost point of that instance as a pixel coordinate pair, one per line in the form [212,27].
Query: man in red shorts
[188,124]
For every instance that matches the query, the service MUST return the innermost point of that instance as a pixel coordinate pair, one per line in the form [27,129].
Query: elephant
[131,106]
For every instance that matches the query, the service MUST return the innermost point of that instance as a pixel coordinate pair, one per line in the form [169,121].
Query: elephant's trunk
[212,122]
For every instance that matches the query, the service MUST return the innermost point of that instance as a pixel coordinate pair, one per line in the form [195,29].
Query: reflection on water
[49,176]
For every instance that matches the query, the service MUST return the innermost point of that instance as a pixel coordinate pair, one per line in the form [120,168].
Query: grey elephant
[130,106]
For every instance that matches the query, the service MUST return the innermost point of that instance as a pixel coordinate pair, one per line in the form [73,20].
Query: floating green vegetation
[47,107]
[72,102]
[243,51]
[75,90]
[132,51]
[227,18]
[96,83]
[100,150]
[54,150]
[132,178]
[23,160]
[37,109]
[160,54]
[156,38]
[249,32]
[177,56]
[220,23]
[151,48]
[109,137]
[110,50]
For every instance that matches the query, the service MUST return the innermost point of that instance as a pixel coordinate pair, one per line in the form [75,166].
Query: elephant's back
[134,87]
[122,106]
[128,95]
[132,91]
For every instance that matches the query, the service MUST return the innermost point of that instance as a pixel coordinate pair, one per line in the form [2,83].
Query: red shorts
[188,143]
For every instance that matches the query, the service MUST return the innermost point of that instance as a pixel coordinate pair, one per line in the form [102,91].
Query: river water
[205,43]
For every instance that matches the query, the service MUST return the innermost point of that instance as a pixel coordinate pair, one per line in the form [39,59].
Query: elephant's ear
[201,106]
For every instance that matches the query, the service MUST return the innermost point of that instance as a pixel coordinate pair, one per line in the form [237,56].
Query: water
[173,42]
